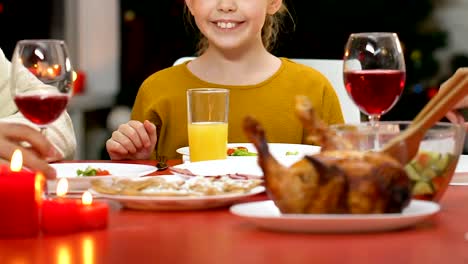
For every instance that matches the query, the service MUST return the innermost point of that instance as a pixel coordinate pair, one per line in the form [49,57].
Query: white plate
[75,183]
[222,167]
[462,165]
[278,150]
[177,203]
[266,215]
[461,172]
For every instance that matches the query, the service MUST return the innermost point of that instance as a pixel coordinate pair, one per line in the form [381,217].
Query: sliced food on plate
[176,186]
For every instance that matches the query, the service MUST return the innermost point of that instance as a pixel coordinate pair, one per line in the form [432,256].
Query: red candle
[61,215]
[21,194]
[93,215]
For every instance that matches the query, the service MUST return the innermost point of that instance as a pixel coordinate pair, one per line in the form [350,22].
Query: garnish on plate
[240,151]
[90,171]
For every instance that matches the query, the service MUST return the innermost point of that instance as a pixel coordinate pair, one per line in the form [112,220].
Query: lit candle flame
[62,187]
[87,198]
[16,161]
[75,75]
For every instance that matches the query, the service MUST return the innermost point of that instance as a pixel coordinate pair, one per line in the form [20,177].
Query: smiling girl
[234,53]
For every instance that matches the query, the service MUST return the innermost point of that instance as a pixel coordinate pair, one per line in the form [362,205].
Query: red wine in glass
[41,79]
[41,109]
[374,72]
[374,91]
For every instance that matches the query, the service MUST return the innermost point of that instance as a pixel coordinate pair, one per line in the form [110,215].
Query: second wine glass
[41,79]
[374,72]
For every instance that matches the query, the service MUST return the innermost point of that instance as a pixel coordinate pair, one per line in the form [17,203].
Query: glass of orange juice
[208,110]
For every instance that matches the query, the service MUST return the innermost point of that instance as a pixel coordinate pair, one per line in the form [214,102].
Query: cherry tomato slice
[230,151]
[100,172]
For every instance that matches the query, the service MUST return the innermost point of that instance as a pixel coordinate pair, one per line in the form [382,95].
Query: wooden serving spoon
[455,89]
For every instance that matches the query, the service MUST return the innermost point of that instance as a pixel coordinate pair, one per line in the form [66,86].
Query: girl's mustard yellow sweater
[162,100]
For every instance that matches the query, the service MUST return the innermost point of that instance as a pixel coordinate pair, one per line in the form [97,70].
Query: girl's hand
[133,140]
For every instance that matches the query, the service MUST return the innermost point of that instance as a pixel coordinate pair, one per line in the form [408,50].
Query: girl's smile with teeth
[226,25]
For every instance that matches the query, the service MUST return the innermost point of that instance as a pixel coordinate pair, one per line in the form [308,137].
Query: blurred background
[116,44]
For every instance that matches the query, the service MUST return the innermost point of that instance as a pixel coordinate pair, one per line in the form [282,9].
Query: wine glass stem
[374,119]
[42,130]
[374,122]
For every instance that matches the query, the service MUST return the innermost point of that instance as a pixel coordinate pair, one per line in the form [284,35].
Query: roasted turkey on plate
[337,180]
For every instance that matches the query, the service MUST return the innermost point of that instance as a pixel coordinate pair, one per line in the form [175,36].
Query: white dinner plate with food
[278,150]
[461,172]
[81,183]
[167,198]
[266,215]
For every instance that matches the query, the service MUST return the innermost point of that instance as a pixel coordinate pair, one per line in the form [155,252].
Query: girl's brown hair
[270,31]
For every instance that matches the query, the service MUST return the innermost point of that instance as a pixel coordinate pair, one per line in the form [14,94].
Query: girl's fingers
[115,147]
[124,141]
[132,140]
[151,131]
[130,133]
[116,151]
[141,137]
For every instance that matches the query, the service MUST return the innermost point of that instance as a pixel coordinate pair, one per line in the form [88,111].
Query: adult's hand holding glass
[36,155]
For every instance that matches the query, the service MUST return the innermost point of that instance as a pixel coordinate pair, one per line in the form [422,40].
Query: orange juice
[207,140]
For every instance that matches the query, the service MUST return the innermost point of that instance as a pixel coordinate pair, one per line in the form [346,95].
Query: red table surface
[217,236]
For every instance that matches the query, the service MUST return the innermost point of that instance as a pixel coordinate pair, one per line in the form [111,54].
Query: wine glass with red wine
[41,79]
[374,72]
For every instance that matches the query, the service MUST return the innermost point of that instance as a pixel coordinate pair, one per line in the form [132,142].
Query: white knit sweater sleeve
[60,132]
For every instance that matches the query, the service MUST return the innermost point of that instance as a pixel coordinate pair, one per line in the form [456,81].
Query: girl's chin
[228,46]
